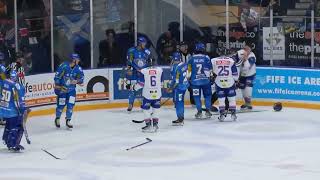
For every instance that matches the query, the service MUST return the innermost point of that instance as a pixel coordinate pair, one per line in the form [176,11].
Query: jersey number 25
[223,70]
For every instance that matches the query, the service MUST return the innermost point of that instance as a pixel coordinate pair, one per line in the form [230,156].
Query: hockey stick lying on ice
[238,111]
[50,154]
[148,141]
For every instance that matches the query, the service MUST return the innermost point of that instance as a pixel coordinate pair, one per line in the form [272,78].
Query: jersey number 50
[6,95]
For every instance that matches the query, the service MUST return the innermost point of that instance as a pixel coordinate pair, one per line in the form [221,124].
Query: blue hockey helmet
[3,72]
[141,40]
[2,69]
[200,47]
[13,75]
[75,56]
[176,57]
[277,106]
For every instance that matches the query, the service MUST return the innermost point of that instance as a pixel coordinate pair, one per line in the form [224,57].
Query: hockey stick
[165,101]
[137,121]
[51,154]
[148,141]
[241,111]
[25,116]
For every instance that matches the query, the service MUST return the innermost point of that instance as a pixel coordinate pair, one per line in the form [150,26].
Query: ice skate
[57,122]
[130,107]
[208,114]
[198,115]
[234,116]
[147,128]
[246,107]
[222,117]
[178,122]
[18,148]
[68,123]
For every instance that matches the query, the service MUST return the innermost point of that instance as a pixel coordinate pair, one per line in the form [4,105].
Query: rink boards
[294,87]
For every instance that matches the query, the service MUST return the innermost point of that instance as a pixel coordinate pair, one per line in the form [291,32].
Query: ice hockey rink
[260,145]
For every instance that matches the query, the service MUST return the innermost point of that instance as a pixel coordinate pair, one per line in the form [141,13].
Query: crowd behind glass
[158,22]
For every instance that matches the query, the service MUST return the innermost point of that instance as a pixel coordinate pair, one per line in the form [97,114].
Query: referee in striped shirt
[18,67]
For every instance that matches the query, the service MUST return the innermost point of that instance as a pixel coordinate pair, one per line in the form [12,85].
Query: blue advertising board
[287,83]
[119,84]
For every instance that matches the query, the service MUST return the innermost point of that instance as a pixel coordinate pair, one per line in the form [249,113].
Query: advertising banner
[120,82]
[278,44]
[237,39]
[40,88]
[287,83]
[299,46]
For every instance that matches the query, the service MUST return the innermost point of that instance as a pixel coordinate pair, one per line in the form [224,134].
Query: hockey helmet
[13,75]
[141,40]
[176,57]
[200,47]
[74,57]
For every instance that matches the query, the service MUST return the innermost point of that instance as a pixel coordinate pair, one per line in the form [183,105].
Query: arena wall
[105,88]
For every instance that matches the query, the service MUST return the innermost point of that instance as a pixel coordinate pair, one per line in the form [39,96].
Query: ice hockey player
[199,68]
[12,107]
[246,60]
[2,78]
[179,85]
[68,75]
[150,83]
[226,76]
[136,60]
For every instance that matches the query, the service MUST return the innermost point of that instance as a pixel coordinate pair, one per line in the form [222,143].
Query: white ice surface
[259,146]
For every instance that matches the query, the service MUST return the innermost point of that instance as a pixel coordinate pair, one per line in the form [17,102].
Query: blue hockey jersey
[199,66]
[137,59]
[12,102]
[179,76]
[65,75]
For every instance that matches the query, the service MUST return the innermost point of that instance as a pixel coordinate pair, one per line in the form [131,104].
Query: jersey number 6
[153,81]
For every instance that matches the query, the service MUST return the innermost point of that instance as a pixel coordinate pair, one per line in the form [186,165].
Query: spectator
[125,40]
[7,51]
[109,50]
[174,28]
[166,45]
[167,42]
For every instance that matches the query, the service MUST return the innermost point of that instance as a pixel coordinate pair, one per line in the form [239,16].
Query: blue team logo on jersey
[140,62]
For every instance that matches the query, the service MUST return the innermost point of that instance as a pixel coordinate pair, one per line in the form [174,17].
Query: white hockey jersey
[225,70]
[248,66]
[152,83]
